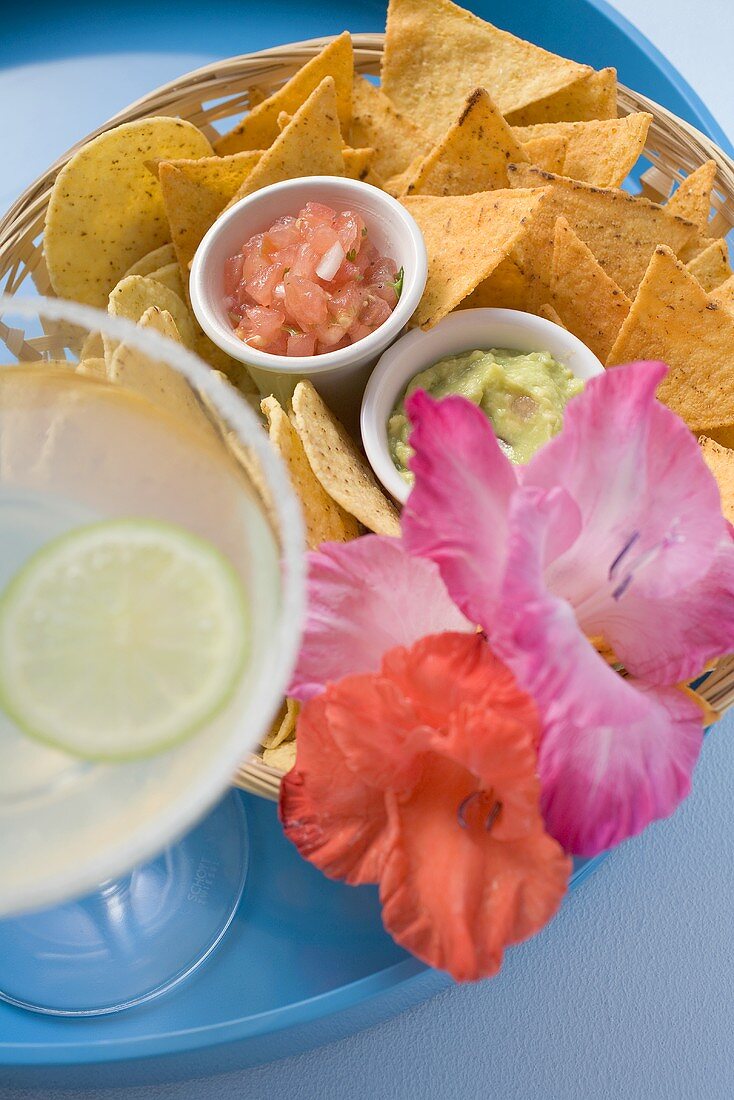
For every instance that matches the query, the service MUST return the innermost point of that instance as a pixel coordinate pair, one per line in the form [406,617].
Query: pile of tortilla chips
[511,160]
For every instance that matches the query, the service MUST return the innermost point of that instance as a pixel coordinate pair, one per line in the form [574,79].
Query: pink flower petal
[456,514]
[614,754]
[364,598]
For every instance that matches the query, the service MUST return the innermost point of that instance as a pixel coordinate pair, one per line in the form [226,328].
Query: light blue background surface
[630,992]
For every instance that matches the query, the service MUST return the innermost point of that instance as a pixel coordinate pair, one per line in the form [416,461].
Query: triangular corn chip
[673,319]
[310,145]
[105,211]
[724,295]
[600,153]
[94,367]
[720,461]
[711,266]
[506,288]
[473,154]
[325,520]
[692,198]
[259,128]
[436,53]
[622,230]
[338,465]
[592,96]
[467,237]
[378,124]
[195,192]
[589,302]
[281,758]
[357,162]
[283,726]
[550,314]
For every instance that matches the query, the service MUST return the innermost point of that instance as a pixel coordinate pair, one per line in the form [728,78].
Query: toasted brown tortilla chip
[711,266]
[622,230]
[195,193]
[436,53]
[724,295]
[105,210]
[259,128]
[310,145]
[550,314]
[590,303]
[473,154]
[601,153]
[325,519]
[592,96]
[378,124]
[338,465]
[692,197]
[720,461]
[673,319]
[358,163]
[467,237]
[506,288]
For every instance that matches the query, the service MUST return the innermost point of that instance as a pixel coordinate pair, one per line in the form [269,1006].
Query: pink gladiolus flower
[614,531]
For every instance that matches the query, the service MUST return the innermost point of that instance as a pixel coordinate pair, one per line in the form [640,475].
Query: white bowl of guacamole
[521,370]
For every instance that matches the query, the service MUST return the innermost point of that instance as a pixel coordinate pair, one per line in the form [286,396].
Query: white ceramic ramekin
[464,330]
[340,376]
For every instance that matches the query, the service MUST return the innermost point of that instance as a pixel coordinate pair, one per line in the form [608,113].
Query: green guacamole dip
[523,395]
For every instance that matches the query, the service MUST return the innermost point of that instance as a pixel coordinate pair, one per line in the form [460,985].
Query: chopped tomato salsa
[310,284]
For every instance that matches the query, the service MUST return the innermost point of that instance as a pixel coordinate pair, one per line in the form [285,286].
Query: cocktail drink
[150,604]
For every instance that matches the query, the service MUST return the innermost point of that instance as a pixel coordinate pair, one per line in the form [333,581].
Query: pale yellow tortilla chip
[310,145]
[550,314]
[673,319]
[377,123]
[170,276]
[195,192]
[281,758]
[692,197]
[601,153]
[325,519]
[436,53]
[711,266]
[473,154]
[93,368]
[357,162]
[155,380]
[283,727]
[589,302]
[92,346]
[467,237]
[720,461]
[259,128]
[338,465]
[159,257]
[622,230]
[592,96]
[135,294]
[105,211]
[724,295]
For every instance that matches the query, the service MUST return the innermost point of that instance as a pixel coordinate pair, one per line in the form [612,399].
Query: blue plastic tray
[306,961]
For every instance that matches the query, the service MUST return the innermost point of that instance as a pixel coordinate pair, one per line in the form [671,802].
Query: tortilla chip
[467,237]
[378,124]
[338,465]
[310,145]
[283,727]
[711,266]
[170,276]
[358,163]
[437,53]
[506,288]
[724,295]
[472,156]
[622,230]
[282,758]
[590,303]
[259,128]
[234,371]
[673,319]
[325,520]
[195,193]
[692,197]
[92,346]
[134,294]
[592,96]
[93,368]
[106,212]
[159,257]
[156,381]
[547,311]
[600,153]
[720,461]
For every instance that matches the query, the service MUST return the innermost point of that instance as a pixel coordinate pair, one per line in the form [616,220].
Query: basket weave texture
[219,93]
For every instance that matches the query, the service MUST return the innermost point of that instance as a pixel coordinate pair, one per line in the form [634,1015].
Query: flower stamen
[492,814]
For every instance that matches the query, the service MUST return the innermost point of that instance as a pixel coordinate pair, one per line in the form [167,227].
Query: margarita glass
[88,926]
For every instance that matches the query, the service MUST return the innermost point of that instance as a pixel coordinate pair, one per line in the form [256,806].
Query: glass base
[136,937]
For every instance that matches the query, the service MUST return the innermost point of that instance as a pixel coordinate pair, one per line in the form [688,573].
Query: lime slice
[121,638]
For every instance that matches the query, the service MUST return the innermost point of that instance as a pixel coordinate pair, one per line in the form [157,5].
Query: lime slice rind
[120,639]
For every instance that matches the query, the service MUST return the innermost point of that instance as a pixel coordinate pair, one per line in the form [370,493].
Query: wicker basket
[221,92]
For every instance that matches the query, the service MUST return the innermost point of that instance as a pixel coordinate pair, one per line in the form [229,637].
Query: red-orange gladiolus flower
[422,777]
